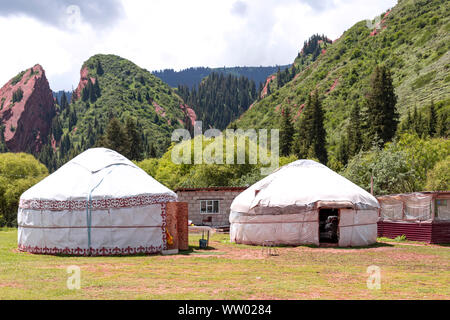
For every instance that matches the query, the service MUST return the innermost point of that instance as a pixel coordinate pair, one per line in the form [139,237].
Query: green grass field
[229,271]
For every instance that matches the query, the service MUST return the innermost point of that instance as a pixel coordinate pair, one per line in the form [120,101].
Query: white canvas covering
[99,203]
[284,208]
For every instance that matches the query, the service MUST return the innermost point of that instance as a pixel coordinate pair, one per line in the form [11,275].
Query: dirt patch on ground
[414,244]
[341,250]
[411,256]
[11,284]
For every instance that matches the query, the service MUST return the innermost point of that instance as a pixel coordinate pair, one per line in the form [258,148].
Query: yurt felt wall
[284,208]
[99,203]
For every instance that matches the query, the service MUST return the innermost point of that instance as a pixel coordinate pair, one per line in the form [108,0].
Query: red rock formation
[299,112]
[28,121]
[381,25]
[333,86]
[265,89]
[159,110]
[189,114]
[83,83]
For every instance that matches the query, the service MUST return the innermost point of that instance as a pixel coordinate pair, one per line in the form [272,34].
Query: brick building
[209,206]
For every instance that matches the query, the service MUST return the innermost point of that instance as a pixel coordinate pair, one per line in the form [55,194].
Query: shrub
[400,238]
[18,172]
[17,95]
[438,179]
[17,78]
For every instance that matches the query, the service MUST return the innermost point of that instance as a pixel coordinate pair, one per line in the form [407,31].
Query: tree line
[220,99]
[376,124]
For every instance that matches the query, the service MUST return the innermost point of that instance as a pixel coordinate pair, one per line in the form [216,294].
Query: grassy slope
[415,45]
[120,85]
[231,271]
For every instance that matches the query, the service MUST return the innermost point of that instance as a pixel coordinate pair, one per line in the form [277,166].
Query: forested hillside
[411,43]
[219,99]
[193,76]
[114,88]
[58,95]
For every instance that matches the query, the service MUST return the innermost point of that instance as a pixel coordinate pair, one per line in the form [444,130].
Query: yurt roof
[302,183]
[99,173]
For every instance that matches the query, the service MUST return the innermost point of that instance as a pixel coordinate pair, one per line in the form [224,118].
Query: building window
[209,206]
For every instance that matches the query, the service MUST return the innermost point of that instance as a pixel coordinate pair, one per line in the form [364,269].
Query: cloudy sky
[157,34]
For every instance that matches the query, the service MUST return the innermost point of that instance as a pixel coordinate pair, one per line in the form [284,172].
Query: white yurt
[304,202]
[99,203]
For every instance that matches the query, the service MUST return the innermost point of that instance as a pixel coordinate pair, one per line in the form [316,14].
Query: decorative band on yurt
[90,252]
[101,204]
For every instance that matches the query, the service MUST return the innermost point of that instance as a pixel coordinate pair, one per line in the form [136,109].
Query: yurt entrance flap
[329,225]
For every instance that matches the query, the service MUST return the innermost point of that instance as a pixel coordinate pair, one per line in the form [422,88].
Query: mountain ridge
[26,109]
[413,40]
[192,77]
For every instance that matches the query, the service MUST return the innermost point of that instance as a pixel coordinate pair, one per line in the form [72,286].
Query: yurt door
[329,226]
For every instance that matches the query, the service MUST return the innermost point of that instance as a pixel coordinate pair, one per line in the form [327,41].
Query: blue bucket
[203,244]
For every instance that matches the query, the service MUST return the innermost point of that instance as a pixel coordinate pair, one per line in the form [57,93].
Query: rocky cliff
[26,110]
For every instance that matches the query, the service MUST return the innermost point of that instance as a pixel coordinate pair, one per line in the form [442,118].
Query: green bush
[204,175]
[401,166]
[17,95]
[18,172]
[17,78]
[438,179]
[390,170]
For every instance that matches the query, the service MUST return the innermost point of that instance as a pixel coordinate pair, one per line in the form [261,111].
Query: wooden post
[371,184]
[172,225]
[177,225]
[182,224]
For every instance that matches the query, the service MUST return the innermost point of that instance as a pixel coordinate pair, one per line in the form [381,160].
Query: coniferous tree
[85,93]
[116,138]
[3,147]
[418,123]
[407,123]
[74,96]
[64,147]
[442,126]
[432,120]
[304,128]
[135,140]
[319,131]
[279,80]
[56,129]
[286,132]
[17,95]
[96,88]
[260,90]
[219,99]
[343,151]
[91,91]
[354,133]
[99,68]
[64,103]
[382,115]
[72,118]
[311,134]
[151,151]
[90,137]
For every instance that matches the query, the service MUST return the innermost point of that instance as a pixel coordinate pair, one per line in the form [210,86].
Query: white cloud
[178,34]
